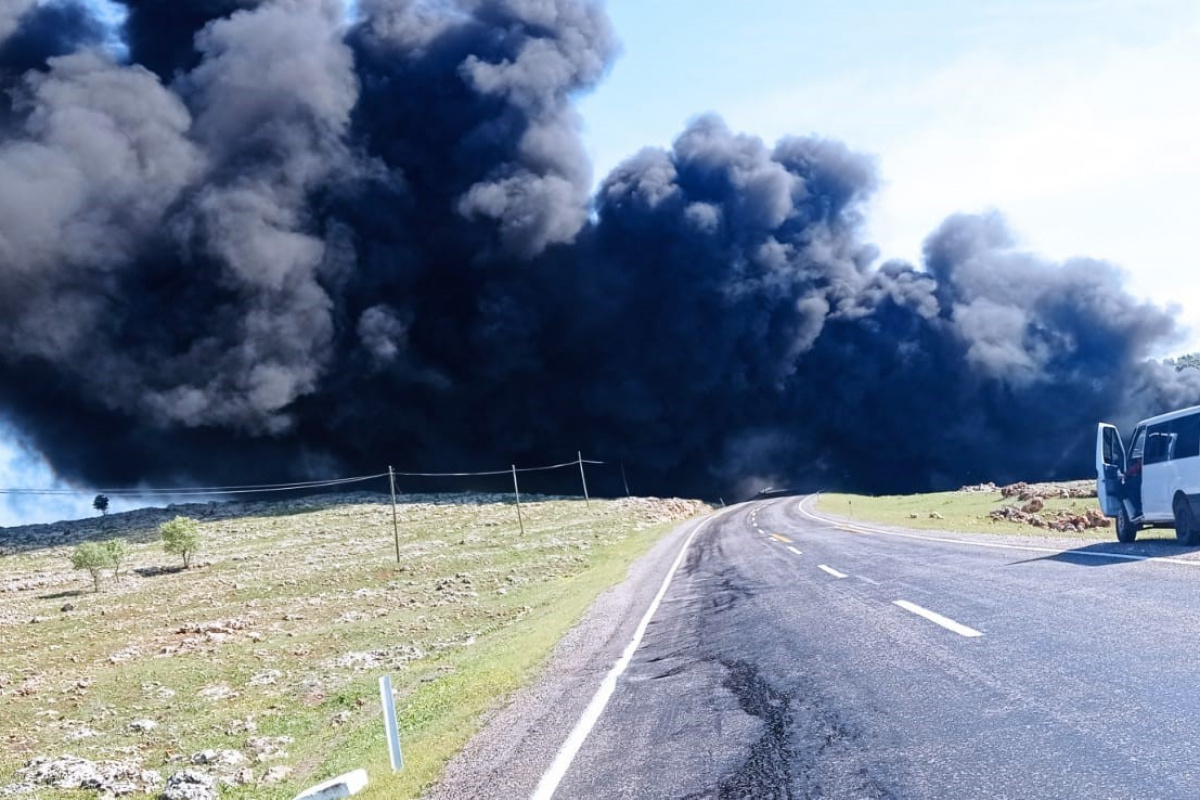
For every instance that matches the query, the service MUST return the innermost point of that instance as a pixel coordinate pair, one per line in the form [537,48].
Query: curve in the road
[792,657]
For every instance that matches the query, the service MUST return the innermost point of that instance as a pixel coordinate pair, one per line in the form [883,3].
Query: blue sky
[1077,120]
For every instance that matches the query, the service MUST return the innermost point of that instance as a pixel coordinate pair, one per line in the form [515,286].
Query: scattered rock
[1063,521]
[67,607]
[82,733]
[1028,491]
[388,657]
[276,774]
[935,515]
[239,726]
[125,654]
[142,725]
[223,759]
[1034,506]
[268,748]
[190,784]
[242,777]
[266,677]
[342,717]
[158,691]
[217,691]
[110,778]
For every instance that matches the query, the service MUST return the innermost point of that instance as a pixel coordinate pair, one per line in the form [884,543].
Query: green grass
[468,617]
[963,511]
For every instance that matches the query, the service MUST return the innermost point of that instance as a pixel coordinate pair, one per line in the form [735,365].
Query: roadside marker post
[346,785]
[390,724]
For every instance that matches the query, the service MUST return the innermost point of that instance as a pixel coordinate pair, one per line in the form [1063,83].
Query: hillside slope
[256,669]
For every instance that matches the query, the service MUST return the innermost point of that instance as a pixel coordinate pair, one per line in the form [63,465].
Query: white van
[1156,482]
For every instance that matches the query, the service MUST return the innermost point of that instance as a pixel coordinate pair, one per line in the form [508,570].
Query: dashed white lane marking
[794,550]
[938,619]
[831,571]
[566,754]
[865,529]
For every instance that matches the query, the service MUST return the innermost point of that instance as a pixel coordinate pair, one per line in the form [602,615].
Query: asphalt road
[780,665]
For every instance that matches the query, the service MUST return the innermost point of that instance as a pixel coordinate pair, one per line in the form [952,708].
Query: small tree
[179,536]
[101,503]
[93,557]
[117,550]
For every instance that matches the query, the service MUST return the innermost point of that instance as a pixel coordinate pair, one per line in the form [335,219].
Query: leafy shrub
[94,557]
[117,550]
[180,537]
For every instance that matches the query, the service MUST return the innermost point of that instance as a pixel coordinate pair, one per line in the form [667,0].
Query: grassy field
[269,649]
[965,511]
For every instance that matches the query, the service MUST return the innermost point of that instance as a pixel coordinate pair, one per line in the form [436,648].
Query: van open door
[1110,466]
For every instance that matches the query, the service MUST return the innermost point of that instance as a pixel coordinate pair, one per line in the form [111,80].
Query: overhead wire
[192,491]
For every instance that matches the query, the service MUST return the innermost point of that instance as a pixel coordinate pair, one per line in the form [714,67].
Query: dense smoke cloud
[264,242]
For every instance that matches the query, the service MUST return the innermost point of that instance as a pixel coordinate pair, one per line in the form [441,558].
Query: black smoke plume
[263,241]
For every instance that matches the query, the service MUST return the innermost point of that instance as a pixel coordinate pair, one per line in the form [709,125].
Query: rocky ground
[252,674]
[1028,505]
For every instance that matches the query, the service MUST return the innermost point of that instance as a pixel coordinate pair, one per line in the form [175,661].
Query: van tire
[1186,532]
[1126,530]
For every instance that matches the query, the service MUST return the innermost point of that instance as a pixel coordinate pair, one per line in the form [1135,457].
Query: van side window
[1138,446]
[1158,444]
[1187,436]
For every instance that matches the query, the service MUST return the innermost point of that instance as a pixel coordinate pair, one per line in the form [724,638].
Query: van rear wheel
[1126,530]
[1186,532]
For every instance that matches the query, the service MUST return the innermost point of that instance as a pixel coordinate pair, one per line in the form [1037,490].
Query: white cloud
[1091,148]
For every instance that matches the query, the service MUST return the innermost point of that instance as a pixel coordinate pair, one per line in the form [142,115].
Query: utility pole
[517,491]
[625,480]
[583,477]
[395,521]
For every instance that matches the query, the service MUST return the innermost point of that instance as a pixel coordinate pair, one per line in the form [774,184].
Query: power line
[494,472]
[191,491]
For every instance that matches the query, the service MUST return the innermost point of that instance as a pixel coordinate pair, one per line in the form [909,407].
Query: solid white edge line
[557,770]
[865,529]
[794,550]
[938,619]
[831,571]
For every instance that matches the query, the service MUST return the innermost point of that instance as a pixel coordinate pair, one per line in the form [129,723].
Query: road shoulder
[1158,549]
[507,757]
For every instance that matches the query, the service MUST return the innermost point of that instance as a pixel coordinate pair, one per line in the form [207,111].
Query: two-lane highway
[790,657]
